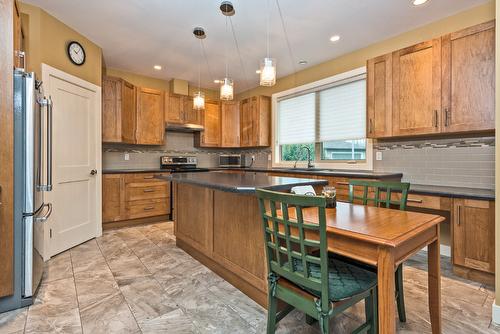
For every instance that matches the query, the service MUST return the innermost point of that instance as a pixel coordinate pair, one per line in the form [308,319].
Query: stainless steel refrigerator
[32,178]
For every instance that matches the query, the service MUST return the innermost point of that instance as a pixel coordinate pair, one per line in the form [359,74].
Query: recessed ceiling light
[157,67]
[257,71]
[302,62]
[336,38]
[419,2]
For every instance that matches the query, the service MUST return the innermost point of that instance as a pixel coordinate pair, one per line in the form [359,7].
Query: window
[329,119]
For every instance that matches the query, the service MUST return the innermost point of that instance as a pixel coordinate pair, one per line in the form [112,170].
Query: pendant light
[268,65]
[227,84]
[199,96]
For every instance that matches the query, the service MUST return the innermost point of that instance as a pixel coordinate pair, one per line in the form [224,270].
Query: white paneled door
[76,194]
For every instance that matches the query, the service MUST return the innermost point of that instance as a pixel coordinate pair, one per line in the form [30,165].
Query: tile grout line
[76,289]
[121,293]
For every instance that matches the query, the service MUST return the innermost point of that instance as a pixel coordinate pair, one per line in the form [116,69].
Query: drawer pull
[458,215]
[414,200]
[148,208]
[148,177]
[149,190]
[343,183]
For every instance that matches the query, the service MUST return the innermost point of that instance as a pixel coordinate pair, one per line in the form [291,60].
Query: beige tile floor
[135,280]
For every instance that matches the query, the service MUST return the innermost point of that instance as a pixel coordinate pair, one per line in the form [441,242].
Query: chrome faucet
[309,163]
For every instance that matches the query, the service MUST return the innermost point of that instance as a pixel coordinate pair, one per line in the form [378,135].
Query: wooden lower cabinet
[134,196]
[474,234]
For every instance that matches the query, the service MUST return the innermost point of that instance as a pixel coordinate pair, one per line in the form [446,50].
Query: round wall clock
[76,53]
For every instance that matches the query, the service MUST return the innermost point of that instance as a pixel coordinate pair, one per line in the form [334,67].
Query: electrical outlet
[378,156]
[126,156]
[268,157]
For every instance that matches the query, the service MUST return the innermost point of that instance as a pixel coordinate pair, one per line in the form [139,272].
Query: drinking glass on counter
[330,194]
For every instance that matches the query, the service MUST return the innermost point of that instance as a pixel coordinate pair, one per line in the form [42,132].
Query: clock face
[76,53]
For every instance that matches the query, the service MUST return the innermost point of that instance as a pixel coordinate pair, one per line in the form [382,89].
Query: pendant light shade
[268,72]
[226,89]
[199,101]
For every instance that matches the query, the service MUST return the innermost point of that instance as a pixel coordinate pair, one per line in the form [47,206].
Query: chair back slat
[292,245]
[379,188]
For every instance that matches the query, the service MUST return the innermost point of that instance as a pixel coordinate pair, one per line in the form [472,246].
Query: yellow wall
[46,40]
[358,58]
[149,82]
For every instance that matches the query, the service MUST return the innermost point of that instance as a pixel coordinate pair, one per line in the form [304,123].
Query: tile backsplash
[177,143]
[449,162]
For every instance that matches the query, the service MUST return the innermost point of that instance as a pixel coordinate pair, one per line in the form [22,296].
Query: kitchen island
[217,221]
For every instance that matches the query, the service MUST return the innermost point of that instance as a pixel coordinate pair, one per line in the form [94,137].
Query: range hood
[187,127]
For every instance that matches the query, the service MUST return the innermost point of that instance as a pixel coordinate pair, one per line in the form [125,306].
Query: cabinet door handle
[148,177]
[149,190]
[447,117]
[149,208]
[370,126]
[458,214]
[436,118]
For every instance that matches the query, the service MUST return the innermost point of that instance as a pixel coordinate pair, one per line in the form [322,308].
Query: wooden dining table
[384,238]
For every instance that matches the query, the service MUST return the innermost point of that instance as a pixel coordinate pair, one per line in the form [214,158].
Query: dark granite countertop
[453,192]
[134,170]
[241,183]
[321,171]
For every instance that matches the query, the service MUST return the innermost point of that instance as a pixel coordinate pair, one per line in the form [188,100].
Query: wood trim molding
[6,149]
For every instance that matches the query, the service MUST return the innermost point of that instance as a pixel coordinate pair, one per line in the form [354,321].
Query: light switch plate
[378,156]
[126,156]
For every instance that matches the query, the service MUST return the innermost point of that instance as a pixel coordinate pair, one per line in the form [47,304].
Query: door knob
[93,172]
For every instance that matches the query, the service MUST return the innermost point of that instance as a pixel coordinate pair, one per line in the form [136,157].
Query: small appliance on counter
[32,178]
[232,160]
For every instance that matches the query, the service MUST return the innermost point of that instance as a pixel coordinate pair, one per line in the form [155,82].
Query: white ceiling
[137,34]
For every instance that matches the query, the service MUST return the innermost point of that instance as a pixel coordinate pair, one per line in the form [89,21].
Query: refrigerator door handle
[48,103]
[46,216]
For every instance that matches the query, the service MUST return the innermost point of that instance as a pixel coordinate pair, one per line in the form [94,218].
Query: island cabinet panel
[474,234]
[118,111]
[150,122]
[194,217]
[417,89]
[469,79]
[211,121]
[379,97]
[237,227]
[230,124]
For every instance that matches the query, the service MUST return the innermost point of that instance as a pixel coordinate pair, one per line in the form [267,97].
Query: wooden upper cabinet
[255,122]
[211,121]
[474,234]
[173,108]
[230,124]
[379,97]
[118,111]
[469,79]
[246,123]
[417,89]
[150,117]
[191,116]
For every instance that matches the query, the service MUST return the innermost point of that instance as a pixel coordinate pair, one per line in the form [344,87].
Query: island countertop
[241,183]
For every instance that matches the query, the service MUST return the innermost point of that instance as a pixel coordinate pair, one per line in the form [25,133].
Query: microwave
[231,160]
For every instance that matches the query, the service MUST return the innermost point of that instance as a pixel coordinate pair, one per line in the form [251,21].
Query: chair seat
[344,279]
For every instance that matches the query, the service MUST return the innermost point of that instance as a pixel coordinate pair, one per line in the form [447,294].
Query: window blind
[342,112]
[297,119]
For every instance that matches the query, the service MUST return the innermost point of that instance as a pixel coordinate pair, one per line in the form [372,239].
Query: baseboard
[132,222]
[495,313]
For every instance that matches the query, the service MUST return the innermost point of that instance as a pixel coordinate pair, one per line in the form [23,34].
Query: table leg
[434,281]
[386,290]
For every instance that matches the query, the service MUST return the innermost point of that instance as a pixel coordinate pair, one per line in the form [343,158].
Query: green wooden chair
[387,200]
[301,272]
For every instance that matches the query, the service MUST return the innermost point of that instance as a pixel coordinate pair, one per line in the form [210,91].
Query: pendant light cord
[268,19]
[242,63]
[206,59]
[292,58]
[225,46]
[199,67]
